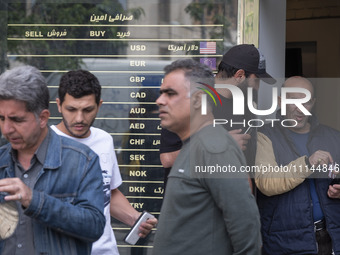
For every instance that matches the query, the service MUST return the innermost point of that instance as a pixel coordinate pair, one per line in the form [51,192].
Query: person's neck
[62,128]
[196,124]
[25,156]
[301,131]
[223,91]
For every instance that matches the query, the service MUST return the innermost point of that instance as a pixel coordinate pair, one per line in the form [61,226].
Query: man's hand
[320,157]
[334,191]
[240,138]
[146,227]
[17,191]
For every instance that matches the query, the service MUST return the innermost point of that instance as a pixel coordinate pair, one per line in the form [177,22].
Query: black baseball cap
[243,56]
[248,58]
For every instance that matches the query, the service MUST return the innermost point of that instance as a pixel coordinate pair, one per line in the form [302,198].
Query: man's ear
[239,76]
[100,103]
[58,104]
[313,100]
[43,118]
[197,99]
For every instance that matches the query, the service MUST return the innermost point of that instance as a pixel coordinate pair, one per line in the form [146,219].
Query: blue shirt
[300,142]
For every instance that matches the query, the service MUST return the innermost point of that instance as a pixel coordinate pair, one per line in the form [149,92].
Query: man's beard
[68,127]
[244,87]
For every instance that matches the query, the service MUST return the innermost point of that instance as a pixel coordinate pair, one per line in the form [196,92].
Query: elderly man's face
[20,127]
[174,103]
[293,112]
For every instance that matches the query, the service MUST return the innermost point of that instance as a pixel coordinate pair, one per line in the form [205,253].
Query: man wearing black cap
[242,66]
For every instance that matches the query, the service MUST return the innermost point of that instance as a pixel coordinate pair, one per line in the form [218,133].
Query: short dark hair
[199,75]
[192,69]
[79,83]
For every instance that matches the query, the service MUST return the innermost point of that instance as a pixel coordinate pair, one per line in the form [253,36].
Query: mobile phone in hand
[132,237]
[335,181]
[333,169]
[248,130]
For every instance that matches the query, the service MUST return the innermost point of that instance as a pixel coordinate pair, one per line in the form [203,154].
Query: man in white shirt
[79,101]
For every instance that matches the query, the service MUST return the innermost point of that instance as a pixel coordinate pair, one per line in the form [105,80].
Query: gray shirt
[22,241]
[208,213]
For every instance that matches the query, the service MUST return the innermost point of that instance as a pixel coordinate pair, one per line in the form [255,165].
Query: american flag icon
[207,47]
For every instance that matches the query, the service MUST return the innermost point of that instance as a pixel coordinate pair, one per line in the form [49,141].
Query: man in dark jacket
[298,203]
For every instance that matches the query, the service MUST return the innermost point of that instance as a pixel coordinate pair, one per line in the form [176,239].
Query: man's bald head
[299,82]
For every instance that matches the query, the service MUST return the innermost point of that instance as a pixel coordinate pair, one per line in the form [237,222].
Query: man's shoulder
[270,128]
[69,144]
[100,132]
[328,129]
[327,135]
[272,131]
[215,139]
[100,139]
[4,150]
[5,147]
